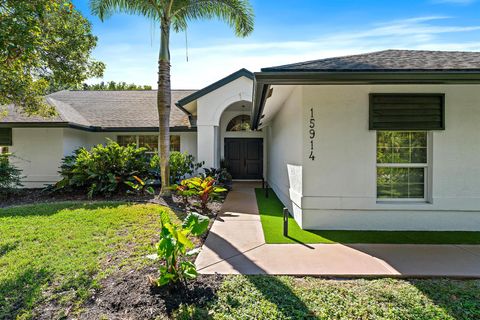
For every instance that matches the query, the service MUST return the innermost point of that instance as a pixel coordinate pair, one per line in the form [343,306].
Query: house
[386,140]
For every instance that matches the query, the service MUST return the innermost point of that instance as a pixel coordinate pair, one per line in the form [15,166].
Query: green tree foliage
[45,45]
[181,165]
[176,15]
[10,176]
[112,85]
[106,170]
[173,246]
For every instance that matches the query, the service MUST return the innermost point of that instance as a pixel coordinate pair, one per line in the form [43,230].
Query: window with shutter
[394,111]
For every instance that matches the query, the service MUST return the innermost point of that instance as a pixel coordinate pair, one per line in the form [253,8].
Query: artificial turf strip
[271,215]
[60,251]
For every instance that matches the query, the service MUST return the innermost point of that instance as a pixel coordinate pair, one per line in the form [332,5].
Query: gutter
[265,79]
[90,128]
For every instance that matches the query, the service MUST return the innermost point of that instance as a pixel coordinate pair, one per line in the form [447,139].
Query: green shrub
[181,165]
[221,176]
[173,246]
[10,176]
[202,188]
[106,170]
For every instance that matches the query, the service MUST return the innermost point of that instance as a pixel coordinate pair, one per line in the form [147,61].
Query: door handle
[244,162]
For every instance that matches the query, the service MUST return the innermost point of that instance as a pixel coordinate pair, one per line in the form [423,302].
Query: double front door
[244,157]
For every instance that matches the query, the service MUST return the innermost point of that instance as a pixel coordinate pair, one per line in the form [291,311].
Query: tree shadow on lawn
[49,209]
[18,295]
[458,298]
[273,289]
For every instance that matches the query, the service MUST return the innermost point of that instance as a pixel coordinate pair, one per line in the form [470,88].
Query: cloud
[209,63]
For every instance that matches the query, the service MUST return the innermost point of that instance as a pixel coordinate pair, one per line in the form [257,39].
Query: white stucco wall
[210,108]
[339,187]
[284,138]
[39,151]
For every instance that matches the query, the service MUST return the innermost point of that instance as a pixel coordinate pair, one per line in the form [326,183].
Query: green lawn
[60,251]
[271,213]
[277,298]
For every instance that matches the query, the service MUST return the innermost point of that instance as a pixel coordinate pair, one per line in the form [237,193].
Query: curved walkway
[235,245]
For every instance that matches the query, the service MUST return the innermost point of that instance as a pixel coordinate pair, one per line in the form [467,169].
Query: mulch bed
[131,296]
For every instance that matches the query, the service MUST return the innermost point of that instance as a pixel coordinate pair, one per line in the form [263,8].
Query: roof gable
[214,86]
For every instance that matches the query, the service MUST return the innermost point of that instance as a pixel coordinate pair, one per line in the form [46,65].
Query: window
[148,141]
[175,143]
[6,137]
[239,123]
[402,165]
[126,140]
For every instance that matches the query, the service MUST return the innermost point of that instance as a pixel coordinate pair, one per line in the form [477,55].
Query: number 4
[311,156]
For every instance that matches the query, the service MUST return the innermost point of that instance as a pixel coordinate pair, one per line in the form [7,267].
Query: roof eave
[214,86]
[263,80]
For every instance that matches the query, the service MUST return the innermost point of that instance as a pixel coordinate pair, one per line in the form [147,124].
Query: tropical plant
[106,170]
[221,176]
[173,246]
[45,45]
[181,165]
[176,14]
[10,176]
[203,188]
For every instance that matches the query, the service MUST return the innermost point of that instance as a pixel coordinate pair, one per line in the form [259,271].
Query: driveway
[236,245]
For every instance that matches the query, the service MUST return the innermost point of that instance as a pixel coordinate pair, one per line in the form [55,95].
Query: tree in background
[45,46]
[112,85]
[176,14]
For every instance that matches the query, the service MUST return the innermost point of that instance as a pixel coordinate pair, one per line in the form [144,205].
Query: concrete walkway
[235,245]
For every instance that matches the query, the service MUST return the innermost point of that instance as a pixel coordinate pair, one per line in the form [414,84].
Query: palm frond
[151,9]
[236,13]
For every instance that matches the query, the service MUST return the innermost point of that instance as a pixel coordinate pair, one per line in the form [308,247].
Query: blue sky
[286,31]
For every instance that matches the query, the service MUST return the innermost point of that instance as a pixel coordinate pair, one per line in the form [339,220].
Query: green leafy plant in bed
[106,169]
[173,246]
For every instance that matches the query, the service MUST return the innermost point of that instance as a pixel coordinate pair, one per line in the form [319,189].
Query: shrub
[10,176]
[106,170]
[221,176]
[181,165]
[173,246]
[203,188]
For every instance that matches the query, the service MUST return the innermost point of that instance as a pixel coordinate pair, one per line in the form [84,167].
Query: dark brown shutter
[5,136]
[395,111]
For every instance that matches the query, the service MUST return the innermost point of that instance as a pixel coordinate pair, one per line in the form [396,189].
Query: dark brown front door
[244,158]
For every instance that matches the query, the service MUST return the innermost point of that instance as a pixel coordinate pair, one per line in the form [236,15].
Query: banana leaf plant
[173,246]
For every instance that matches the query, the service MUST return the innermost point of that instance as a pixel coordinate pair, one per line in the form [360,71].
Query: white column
[207,146]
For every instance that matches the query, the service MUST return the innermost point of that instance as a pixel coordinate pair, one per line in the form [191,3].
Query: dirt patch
[130,296]
[36,196]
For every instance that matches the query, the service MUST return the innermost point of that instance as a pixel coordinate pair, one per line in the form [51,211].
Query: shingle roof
[390,61]
[107,109]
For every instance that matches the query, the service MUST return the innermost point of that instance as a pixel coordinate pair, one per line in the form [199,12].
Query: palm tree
[175,14]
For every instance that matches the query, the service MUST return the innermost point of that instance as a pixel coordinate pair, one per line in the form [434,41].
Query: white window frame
[427,191]
[137,140]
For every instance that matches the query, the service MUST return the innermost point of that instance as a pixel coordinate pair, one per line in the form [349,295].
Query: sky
[286,31]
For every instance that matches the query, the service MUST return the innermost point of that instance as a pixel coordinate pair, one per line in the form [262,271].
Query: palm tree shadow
[271,287]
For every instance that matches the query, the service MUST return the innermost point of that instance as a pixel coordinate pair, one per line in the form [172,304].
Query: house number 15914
[311,132]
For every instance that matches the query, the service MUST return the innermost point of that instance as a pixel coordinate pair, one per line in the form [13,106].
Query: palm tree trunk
[163,106]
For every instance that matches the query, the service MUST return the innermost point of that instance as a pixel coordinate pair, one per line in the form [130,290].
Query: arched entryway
[241,147]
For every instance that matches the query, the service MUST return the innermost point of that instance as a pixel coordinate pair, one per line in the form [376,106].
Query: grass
[271,214]
[58,252]
[270,297]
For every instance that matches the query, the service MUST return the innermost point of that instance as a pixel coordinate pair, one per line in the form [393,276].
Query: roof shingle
[390,61]
[107,109]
